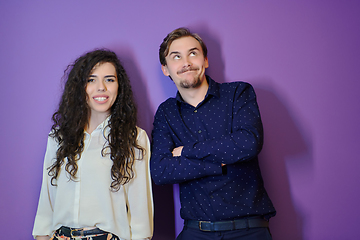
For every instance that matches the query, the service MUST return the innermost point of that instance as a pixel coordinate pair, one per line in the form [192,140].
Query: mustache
[188,69]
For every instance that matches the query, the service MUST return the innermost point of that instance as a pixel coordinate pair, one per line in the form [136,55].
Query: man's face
[185,63]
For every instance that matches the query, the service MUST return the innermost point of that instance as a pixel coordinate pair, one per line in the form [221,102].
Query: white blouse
[89,201]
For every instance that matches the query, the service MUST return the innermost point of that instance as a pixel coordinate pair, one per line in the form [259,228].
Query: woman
[96,180]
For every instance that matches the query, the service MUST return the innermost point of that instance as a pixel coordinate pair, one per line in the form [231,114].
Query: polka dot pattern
[224,128]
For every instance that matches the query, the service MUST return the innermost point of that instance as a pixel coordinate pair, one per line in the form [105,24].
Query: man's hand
[177,151]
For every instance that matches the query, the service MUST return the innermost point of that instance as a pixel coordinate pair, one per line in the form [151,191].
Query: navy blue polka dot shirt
[224,128]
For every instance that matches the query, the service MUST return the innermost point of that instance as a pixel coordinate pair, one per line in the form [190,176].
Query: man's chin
[194,83]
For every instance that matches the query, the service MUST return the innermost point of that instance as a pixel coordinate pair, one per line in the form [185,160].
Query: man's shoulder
[168,105]
[168,102]
[234,86]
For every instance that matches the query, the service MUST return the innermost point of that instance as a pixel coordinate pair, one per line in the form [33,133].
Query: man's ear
[206,62]
[165,70]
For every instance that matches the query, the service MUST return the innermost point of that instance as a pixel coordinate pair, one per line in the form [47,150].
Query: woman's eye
[91,80]
[110,80]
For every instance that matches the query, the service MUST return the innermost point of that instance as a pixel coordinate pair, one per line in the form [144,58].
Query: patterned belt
[79,232]
[227,225]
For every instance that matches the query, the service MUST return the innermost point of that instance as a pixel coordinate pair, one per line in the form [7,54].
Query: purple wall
[302,57]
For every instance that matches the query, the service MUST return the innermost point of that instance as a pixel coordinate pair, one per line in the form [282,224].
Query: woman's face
[102,89]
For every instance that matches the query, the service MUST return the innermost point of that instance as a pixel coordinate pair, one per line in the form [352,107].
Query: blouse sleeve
[44,214]
[139,193]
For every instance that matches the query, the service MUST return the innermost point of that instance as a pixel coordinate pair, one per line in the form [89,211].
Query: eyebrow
[107,76]
[110,76]
[175,52]
[191,49]
[194,48]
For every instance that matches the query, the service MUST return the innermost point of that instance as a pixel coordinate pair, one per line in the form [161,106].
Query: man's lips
[187,70]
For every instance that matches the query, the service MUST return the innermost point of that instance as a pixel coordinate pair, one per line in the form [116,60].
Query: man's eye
[193,53]
[176,57]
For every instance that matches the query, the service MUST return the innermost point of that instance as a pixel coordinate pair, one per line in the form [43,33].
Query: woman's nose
[101,86]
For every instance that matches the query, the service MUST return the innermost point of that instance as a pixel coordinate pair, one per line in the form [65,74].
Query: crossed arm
[175,162]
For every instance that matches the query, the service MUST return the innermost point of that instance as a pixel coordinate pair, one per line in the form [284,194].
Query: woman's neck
[94,121]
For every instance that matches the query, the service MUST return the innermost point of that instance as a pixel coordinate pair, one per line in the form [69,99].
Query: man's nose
[186,62]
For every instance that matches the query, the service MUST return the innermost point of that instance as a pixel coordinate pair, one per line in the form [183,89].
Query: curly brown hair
[73,114]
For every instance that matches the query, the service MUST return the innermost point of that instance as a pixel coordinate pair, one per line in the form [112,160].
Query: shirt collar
[212,90]
[102,125]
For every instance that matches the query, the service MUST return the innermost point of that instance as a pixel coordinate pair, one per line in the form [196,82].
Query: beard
[193,83]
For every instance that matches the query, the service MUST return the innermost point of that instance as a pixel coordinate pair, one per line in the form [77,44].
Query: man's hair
[73,114]
[176,34]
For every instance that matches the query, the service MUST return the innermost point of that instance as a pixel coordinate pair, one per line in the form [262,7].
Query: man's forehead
[187,43]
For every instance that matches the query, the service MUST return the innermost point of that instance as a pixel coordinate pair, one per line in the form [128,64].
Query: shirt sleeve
[246,138]
[44,215]
[139,193]
[166,169]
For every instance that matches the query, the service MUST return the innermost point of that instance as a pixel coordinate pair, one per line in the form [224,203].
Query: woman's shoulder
[141,132]
[142,136]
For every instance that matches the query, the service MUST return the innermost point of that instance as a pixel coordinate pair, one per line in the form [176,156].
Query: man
[207,140]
